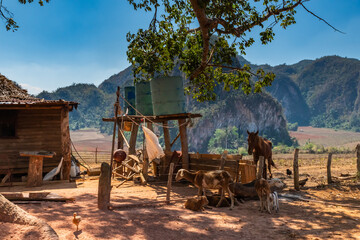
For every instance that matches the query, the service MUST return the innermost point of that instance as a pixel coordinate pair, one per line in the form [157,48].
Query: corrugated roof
[12,93]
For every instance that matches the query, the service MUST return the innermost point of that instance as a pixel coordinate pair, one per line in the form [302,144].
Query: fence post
[261,167]
[296,169]
[223,160]
[329,169]
[96,155]
[358,157]
[104,186]
[171,170]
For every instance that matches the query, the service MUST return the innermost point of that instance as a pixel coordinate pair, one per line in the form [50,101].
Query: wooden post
[165,160]
[35,172]
[166,136]
[120,137]
[104,186]
[184,144]
[132,143]
[65,143]
[96,155]
[358,157]
[171,170]
[261,167]
[237,168]
[223,160]
[116,108]
[145,168]
[296,169]
[329,168]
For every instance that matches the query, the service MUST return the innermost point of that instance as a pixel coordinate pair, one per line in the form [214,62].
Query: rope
[79,154]
[185,123]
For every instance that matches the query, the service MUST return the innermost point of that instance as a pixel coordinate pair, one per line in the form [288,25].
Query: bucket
[143,98]
[167,95]
[127,126]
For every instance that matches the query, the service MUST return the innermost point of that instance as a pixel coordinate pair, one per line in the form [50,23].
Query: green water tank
[167,95]
[130,97]
[143,98]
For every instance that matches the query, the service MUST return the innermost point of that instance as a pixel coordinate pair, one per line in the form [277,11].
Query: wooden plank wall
[35,130]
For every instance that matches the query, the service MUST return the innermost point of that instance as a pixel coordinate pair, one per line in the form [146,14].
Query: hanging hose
[88,167]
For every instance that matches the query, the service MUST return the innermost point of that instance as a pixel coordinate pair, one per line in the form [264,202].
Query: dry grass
[326,137]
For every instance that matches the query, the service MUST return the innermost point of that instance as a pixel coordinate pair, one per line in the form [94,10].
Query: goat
[247,190]
[262,188]
[274,201]
[218,179]
[196,204]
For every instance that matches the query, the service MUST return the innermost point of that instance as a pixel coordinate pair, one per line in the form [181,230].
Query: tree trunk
[65,143]
[9,212]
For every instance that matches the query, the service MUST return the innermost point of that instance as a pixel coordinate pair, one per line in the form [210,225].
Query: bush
[292,126]
[281,148]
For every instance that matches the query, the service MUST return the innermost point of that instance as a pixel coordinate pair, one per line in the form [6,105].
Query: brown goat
[218,179]
[262,188]
[196,204]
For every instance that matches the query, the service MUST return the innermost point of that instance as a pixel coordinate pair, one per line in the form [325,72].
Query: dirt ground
[322,217]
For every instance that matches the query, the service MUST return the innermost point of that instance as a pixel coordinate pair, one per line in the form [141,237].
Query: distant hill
[322,92]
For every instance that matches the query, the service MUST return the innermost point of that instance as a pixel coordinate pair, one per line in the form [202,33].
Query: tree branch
[321,19]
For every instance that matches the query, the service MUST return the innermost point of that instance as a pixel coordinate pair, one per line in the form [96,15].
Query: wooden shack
[31,124]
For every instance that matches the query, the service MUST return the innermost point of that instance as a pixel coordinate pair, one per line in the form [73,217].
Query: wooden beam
[116,107]
[7,176]
[223,160]
[261,168]
[104,187]
[184,144]
[166,136]
[328,167]
[170,176]
[132,143]
[172,143]
[149,125]
[296,169]
[120,137]
[34,178]
[358,158]
[65,143]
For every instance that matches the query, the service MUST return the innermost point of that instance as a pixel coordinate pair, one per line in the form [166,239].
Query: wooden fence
[244,170]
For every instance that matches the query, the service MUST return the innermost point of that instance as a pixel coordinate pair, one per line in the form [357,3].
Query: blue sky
[84,41]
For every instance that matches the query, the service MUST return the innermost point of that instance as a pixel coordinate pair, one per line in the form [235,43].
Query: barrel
[130,97]
[167,95]
[143,98]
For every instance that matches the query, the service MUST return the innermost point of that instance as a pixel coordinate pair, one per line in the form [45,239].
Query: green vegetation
[229,139]
[318,149]
[292,126]
[206,53]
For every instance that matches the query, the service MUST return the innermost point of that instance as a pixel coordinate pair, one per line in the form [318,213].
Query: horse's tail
[273,164]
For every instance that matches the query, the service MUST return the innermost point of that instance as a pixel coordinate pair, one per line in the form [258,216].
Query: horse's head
[253,139]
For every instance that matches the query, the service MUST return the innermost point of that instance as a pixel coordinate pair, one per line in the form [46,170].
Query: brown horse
[259,146]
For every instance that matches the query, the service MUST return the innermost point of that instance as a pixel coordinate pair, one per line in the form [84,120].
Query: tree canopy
[205,36]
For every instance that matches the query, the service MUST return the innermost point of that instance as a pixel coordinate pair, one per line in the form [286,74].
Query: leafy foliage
[206,52]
